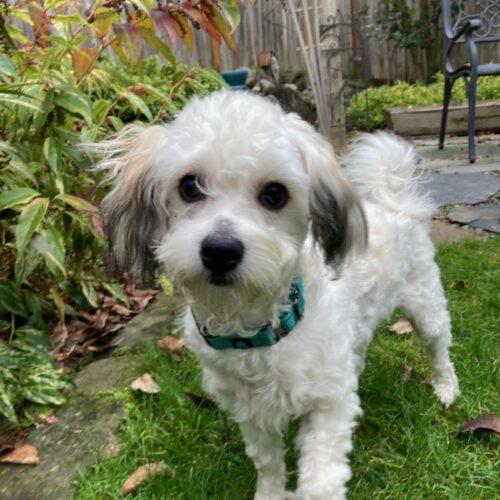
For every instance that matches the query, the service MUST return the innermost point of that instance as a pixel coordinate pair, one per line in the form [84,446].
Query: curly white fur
[235,143]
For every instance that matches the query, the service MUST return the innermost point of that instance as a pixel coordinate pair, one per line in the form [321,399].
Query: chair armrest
[466,31]
[467,28]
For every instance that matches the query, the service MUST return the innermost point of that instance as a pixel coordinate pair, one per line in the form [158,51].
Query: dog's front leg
[324,440]
[267,452]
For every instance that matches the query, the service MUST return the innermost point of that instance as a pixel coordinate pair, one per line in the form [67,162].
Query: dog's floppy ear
[133,212]
[337,218]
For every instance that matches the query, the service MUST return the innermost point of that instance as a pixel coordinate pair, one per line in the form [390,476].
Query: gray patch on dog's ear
[338,222]
[133,227]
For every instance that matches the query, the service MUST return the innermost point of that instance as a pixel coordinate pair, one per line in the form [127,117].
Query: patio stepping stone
[466,215]
[64,448]
[107,374]
[492,225]
[155,322]
[444,231]
[462,189]
[481,216]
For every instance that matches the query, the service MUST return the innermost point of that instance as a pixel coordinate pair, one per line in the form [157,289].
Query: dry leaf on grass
[406,372]
[26,454]
[173,346]
[203,401]
[143,473]
[145,383]
[401,326]
[111,448]
[458,285]
[488,422]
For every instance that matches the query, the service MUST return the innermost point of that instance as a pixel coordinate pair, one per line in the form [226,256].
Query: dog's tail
[382,166]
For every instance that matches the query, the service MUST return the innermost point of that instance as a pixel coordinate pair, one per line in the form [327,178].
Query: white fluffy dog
[288,263]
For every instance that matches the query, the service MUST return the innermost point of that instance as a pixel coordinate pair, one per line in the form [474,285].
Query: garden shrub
[52,241]
[405,94]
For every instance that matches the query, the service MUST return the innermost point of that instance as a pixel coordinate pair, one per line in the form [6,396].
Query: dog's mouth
[220,279]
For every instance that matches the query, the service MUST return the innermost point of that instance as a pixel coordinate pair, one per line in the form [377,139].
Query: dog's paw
[445,386]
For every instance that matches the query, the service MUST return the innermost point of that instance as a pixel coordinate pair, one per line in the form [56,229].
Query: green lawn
[406,445]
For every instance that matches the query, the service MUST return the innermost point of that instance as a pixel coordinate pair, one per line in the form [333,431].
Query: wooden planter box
[426,120]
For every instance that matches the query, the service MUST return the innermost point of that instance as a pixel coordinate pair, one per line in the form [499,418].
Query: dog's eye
[274,196]
[189,189]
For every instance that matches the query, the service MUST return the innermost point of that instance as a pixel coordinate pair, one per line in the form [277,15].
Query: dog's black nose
[221,252]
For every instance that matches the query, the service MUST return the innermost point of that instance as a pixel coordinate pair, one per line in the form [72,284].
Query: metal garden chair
[467,22]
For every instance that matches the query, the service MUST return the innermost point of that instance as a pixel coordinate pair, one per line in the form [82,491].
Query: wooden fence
[267,26]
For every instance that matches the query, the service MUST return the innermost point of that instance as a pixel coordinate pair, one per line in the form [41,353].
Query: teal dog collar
[266,336]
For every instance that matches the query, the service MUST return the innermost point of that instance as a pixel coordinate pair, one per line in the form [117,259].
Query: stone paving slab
[160,319]
[64,449]
[454,156]
[468,214]
[107,374]
[491,225]
[442,231]
[458,188]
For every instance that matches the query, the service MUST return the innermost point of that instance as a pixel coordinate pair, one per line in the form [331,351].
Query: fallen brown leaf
[203,401]
[26,454]
[488,422]
[50,419]
[401,326]
[101,318]
[145,383]
[13,438]
[172,346]
[111,448]
[406,372]
[140,303]
[93,329]
[122,310]
[457,285]
[141,474]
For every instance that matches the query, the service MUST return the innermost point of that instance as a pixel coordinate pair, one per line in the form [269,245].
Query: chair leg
[471,94]
[448,84]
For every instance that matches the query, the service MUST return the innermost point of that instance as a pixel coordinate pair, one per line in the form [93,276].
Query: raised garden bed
[426,120]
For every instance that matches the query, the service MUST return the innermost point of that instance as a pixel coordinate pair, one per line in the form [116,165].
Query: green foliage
[120,95]
[52,241]
[407,27]
[29,377]
[405,94]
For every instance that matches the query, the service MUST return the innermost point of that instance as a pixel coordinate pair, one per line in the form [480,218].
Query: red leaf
[129,44]
[164,23]
[182,28]
[194,15]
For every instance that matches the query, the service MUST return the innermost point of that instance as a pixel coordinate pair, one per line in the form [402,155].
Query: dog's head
[223,196]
